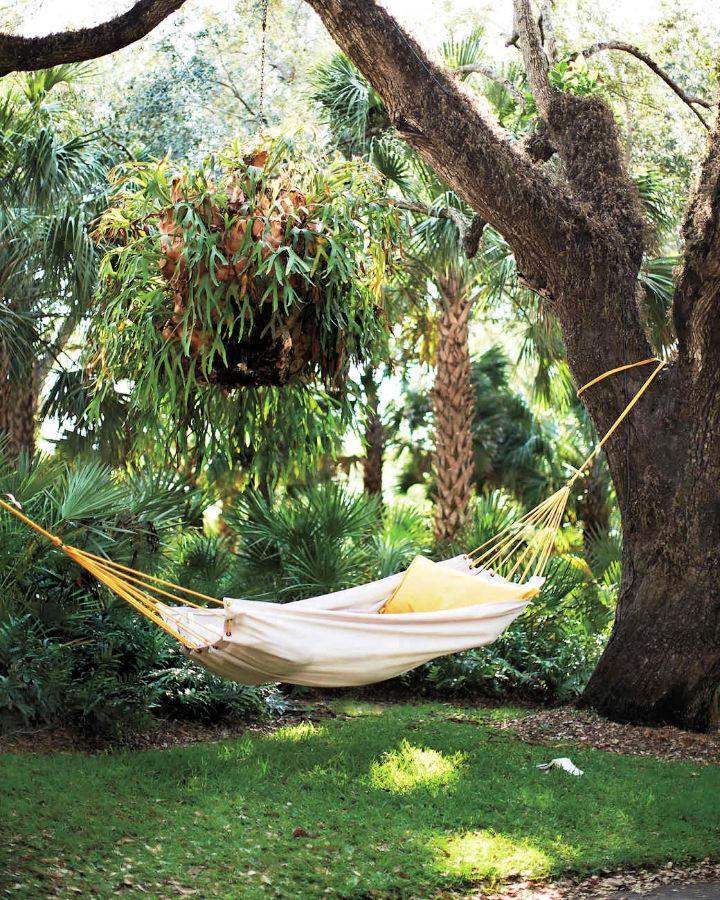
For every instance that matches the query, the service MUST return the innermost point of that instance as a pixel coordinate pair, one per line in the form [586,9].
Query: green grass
[397,802]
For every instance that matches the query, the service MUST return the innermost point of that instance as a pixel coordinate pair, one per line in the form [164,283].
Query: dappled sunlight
[357,709]
[408,768]
[486,853]
[297,733]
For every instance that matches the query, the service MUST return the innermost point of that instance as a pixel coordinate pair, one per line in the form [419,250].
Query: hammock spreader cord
[135,587]
[536,530]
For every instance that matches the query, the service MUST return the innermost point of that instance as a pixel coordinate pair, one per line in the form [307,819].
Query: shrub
[35,673]
[185,691]
[319,539]
[92,675]
[547,654]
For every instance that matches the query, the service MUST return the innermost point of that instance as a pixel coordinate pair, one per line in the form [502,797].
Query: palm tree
[49,183]
[437,275]
[512,450]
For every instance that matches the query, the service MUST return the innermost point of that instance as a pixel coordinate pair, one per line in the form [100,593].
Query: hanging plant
[258,268]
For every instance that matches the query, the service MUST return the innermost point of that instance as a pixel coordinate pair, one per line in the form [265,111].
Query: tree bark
[372,461]
[452,397]
[593,506]
[18,409]
[24,54]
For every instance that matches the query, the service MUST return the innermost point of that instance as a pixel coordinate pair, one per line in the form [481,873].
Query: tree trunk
[18,408]
[662,663]
[593,505]
[372,462]
[452,397]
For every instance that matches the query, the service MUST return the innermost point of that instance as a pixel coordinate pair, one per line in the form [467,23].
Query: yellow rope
[129,584]
[623,415]
[546,518]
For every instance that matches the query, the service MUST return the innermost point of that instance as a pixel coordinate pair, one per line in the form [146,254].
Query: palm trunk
[372,462]
[452,397]
[18,407]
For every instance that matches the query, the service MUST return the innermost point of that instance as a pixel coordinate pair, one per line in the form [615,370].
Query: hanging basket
[260,268]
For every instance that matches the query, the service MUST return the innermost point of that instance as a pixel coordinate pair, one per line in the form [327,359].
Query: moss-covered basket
[257,268]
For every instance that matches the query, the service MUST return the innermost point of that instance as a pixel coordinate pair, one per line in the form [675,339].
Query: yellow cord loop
[623,415]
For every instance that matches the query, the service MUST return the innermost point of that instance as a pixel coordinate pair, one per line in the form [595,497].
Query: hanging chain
[263,43]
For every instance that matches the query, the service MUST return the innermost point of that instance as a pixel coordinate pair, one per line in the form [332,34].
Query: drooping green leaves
[257,270]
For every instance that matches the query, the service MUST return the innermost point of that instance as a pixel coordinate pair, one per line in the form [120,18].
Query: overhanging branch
[444,124]
[691,101]
[26,54]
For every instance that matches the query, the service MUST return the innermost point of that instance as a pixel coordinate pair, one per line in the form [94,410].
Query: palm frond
[457,52]
[657,282]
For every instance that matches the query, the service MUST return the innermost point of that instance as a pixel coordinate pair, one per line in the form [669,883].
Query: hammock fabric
[363,634]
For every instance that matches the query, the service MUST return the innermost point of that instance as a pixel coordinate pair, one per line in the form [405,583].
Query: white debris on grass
[564,763]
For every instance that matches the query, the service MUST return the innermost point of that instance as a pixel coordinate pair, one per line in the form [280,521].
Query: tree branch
[547,31]
[26,54]
[443,123]
[691,101]
[536,62]
[697,296]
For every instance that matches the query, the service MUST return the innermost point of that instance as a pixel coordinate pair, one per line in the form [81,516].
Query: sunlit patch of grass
[409,768]
[487,854]
[297,733]
[357,709]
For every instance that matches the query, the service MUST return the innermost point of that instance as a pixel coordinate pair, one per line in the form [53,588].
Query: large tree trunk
[662,663]
[372,462]
[452,397]
[593,505]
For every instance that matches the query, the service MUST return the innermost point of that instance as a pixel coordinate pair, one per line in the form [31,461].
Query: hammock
[366,633]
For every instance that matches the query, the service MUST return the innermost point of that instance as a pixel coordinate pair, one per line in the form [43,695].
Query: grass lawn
[397,802]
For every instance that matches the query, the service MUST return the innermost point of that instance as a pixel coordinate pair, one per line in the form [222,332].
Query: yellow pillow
[429,587]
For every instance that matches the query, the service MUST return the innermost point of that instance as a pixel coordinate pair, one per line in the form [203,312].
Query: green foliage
[244,271]
[657,283]
[348,103]
[90,674]
[51,178]
[404,532]
[575,77]
[311,543]
[320,539]
[187,692]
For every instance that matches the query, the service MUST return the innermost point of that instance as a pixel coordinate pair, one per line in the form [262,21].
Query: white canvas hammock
[339,639]
[343,639]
